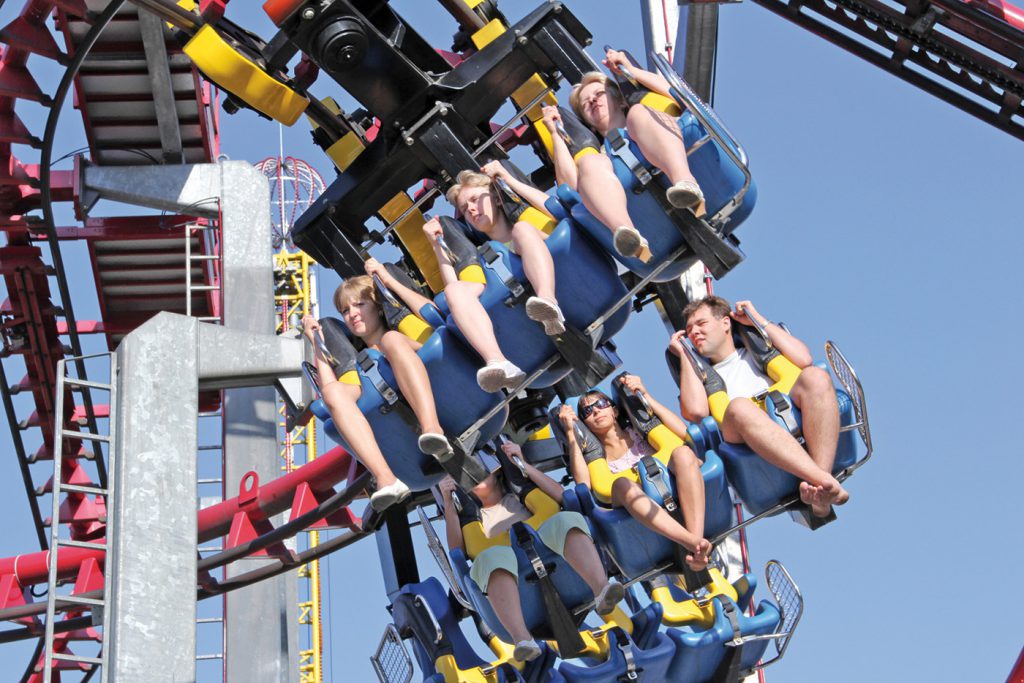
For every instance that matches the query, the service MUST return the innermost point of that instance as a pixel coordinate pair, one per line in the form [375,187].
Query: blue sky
[886,222]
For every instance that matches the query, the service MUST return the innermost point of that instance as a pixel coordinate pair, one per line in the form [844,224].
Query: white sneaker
[498,375]
[386,496]
[514,376]
[546,312]
[685,194]
[491,377]
[526,650]
[436,445]
[631,244]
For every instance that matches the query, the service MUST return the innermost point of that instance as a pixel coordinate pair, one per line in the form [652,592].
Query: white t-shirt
[499,518]
[741,374]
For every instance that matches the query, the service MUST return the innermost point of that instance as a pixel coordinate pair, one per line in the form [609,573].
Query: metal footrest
[391,661]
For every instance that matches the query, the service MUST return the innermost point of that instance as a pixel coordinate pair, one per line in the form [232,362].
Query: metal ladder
[96,606]
[202,259]
[208,422]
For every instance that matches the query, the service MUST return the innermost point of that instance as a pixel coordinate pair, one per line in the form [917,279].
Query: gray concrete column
[150,630]
[262,620]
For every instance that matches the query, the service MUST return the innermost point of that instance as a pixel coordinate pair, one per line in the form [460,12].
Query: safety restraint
[563,626]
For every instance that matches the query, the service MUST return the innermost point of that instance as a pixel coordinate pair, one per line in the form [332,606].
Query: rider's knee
[460,291]
[593,164]
[638,115]
[392,340]
[815,380]
[621,488]
[684,457]
[740,410]
[337,397]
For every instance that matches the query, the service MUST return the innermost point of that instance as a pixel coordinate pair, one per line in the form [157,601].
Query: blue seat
[452,368]
[586,286]
[634,548]
[451,657]
[651,662]
[720,179]
[762,485]
[700,652]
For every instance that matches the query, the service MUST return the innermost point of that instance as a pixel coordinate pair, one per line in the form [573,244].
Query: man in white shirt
[709,329]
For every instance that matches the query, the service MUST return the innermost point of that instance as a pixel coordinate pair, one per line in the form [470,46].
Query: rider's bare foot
[824,497]
[807,493]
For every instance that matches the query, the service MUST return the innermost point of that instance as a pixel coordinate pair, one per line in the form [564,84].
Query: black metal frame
[440,123]
[994,91]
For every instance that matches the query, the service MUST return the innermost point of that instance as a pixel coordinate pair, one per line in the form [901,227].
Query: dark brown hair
[719,307]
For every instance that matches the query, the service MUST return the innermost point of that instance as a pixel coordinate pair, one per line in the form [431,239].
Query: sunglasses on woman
[601,402]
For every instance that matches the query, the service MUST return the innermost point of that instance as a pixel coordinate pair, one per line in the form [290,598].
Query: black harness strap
[632,672]
[728,670]
[620,148]
[784,409]
[370,368]
[563,626]
[494,261]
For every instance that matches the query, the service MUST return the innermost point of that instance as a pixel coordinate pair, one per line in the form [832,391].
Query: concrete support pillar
[151,612]
[261,621]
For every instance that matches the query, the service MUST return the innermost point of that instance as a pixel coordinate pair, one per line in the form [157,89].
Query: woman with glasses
[623,448]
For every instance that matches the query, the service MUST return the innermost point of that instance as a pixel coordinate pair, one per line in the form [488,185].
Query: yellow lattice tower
[294,297]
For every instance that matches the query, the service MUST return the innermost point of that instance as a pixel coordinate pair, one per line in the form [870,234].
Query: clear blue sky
[886,222]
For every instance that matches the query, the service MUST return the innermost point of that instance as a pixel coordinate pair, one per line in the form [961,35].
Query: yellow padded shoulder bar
[476,541]
[449,668]
[539,220]
[473,273]
[661,438]
[415,328]
[717,403]
[659,102]
[351,377]
[240,76]
[539,503]
[781,370]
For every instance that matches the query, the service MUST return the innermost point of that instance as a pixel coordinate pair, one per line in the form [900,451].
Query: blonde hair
[593,77]
[360,288]
[465,180]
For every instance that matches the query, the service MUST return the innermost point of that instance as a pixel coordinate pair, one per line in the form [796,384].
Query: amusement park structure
[168,447]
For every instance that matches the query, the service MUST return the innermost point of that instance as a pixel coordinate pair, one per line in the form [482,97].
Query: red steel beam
[271,498]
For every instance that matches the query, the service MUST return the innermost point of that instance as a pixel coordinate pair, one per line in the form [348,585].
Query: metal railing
[706,116]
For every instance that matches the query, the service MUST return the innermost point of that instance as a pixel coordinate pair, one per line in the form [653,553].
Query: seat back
[762,485]
[586,287]
[423,611]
